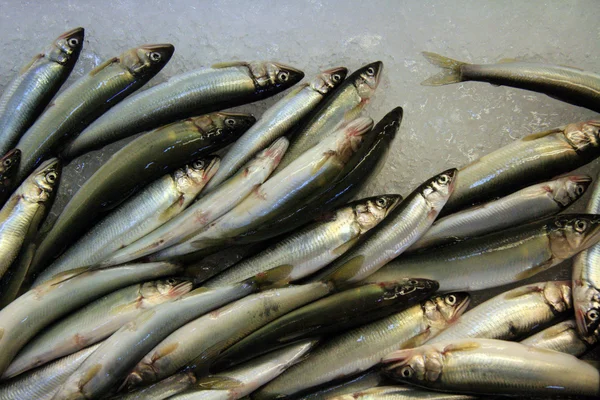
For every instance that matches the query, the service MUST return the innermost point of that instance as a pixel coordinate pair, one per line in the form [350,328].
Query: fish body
[562,337]
[164,389]
[400,393]
[364,381]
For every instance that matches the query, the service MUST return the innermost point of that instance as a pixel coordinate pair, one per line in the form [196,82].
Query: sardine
[361,348]
[24,99]
[196,92]
[490,366]
[9,165]
[562,337]
[400,393]
[499,258]
[86,99]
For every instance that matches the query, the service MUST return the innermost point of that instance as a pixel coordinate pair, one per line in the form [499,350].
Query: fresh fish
[8,168]
[196,92]
[526,205]
[341,107]
[276,121]
[308,250]
[22,319]
[241,381]
[109,365]
[141,214]
[307,174]
[198,343]
[141,161]
[400,230]
[561,337]
[367,380]
[365,164]
[42,383]
[208,208]
[86,99]
[95,322]
[25,209]
[329,315]
[499,258]
[400,393]
[534,158]
[361,348]
[514,314]
[162,390]
[24,99]
[573,85]
[490,366]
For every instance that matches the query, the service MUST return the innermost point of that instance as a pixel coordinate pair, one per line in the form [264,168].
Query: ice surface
[443,126]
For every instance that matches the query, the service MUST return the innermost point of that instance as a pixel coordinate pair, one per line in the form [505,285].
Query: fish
[141,214]
[534,158]
[568,84]
[208,208]
[330,315]
[164,389]
[341,107]
[498,258]
[9,164]
[362,348]
[95,322]
[198,343]
[364,381]
[22,319]
[562,337]
[28,94]
[141,161]
[409,220]
[399,393]
[106,369]
[43,382]
[24,211]
[277,120]
[308,250]
[526,205]
[514,314]
[87,99]
[307,174]
[196,92]
[491,366]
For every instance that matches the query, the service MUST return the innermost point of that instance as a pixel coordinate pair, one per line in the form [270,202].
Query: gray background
[443,126]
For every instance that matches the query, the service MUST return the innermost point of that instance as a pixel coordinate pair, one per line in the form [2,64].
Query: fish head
[230,124]
[268,159]
[147,60]
[443,310]
[417,365]
[273,77]
[571,233]
[586,300]
[557,295]
[44,181]
[328,80]
[193,177]
[66,47]
[164,290]
[407,290]
[371,211]
[366,79]
[438,189]
[566,190]
[9,164]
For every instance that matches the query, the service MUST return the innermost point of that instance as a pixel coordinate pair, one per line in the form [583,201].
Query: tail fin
[451,70]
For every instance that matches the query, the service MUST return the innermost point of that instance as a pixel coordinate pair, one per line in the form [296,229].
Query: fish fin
[105,64]
[201,364]
[277,275]
[341,249]
[171,211]
[464,346]
[451,70]
[230,64]
[298,334]
[218,382]
[66,275]
[30,63]
[347,270]
[521,291]
[534,271]
[538,135]
[89,374]
[324,159]
[507,60]
[416,340]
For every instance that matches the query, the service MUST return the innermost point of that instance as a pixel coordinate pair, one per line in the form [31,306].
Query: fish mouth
[462,307]
[593,235]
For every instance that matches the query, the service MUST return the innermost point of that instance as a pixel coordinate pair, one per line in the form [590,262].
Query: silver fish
[562,337]
[399,393]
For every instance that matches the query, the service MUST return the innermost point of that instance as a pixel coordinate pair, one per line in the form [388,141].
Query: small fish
[9,164]
[562,337]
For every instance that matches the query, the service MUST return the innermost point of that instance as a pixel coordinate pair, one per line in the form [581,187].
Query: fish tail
[451,70]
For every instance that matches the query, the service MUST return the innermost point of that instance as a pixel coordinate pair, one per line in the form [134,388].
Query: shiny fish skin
[208,208]
[24,211]
[193,93]
[399,393]
[304,176]
[141,214]
[162,390]
[573,85]
[534,158]
[562,337]
[400,230]
[42,383]
[514,314]
[363,347]
[105,370]
[341,107]
[136,164]
[330,315]
[24,99]
[198,343]
[276,121]
[529,204]
[306,251]
[9,164]
[498,258]
[88,98]
[503,367]
[27,315]
[365,381]
[95,322]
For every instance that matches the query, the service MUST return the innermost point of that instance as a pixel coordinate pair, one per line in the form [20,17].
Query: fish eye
[381,202]
[579,190]
[406,372]
[283,76]
[413,282]
[229,121]
[171,281]
[336,77]
[154,56]
[592,315]
[7,162]
[370,71]
[51,177]
[199,164]
[443,179]
[580,226]
[450,299]
[73,42]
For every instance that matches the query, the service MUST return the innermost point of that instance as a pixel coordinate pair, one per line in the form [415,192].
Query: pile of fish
[332,297]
